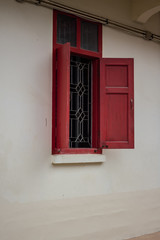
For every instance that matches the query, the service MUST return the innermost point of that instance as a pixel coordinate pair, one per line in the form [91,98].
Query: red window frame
[78,49]
[103,99]
[95,56]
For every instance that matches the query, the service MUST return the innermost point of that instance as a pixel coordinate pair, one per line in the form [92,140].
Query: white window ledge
[77,158]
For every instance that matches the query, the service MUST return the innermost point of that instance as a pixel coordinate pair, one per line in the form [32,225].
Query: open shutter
[116,103]
[63,96]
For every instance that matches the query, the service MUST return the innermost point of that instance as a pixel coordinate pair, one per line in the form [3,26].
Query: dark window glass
[66,29]
[89,36]
[80,103]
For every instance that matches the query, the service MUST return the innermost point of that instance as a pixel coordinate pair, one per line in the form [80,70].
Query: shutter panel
[116,103]
[63,95]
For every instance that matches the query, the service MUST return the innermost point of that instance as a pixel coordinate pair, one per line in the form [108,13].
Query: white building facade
[115,199]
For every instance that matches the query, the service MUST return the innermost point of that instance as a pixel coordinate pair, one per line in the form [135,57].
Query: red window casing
[112,111]
[63,97]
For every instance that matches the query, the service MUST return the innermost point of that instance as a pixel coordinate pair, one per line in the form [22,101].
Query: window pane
[66,29]
[80,103]
[89,36]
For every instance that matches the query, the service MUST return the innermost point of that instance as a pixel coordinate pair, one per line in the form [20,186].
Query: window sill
[77,158]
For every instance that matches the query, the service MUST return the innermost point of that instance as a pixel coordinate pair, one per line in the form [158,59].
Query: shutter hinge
[103,147]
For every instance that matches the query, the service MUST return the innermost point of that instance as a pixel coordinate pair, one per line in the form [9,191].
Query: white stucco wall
[26,174]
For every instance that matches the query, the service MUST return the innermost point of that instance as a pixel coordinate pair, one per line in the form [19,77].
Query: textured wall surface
[114,217]
[28,181]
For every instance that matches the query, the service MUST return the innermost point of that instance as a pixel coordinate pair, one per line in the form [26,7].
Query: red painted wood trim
[129,92]
[100,39]
[78,49]
[102,102]
[81,52]
[63,95]
[78,151]
[85,52]
[116,90]
[95,105]
[54,29]
[131,105]
[64,13]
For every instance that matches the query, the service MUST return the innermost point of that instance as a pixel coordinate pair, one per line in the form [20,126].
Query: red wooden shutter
[63,95]
[116,103]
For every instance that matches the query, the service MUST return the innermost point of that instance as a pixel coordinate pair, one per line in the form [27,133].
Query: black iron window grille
[80,102]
